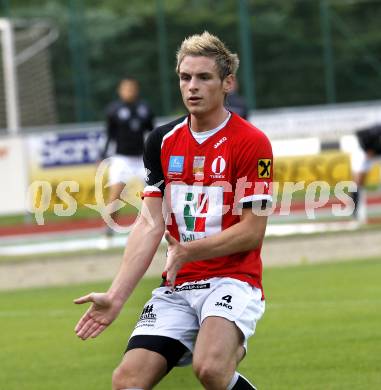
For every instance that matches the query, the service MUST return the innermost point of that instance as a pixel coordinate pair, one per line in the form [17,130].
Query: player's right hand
[100,314]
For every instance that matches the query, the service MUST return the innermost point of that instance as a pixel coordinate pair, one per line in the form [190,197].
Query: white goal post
[27,93]
[10,76]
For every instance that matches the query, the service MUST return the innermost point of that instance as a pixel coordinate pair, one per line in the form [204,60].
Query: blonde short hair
[208,45]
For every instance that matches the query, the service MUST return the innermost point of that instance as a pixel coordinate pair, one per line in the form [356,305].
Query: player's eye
[184,77]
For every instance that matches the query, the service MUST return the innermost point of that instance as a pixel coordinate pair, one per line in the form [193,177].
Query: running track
[97,224]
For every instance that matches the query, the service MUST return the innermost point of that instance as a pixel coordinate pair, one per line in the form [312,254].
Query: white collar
[202,136]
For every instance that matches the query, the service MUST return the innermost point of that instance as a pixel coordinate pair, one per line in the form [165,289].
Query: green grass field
[321,330]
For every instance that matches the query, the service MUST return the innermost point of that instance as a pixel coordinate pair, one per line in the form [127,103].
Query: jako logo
[221,141]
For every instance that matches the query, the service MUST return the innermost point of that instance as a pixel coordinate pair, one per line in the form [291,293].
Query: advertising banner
[66,157]
[331,167]
[13,176]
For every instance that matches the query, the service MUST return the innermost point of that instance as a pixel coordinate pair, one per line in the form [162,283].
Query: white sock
[240,382]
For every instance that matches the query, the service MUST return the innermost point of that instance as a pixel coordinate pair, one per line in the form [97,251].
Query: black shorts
[172,350]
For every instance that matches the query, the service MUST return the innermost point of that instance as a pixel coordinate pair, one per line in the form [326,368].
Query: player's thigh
[140,368]
[228,317]
[219,344]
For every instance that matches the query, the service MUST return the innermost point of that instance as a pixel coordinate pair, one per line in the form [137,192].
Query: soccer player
[369,139]
[128,120]
[236,103]
[208,183]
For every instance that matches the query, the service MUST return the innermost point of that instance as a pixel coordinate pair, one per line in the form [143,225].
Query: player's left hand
[176,257]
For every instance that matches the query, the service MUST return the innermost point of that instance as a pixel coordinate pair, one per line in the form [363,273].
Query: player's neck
[208,121]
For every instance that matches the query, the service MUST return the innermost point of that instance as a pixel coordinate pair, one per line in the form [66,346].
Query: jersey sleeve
[152,162]
[254,171]
[155,181]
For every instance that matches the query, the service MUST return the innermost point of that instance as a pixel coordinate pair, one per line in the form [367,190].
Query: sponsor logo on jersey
[176,164]
[185,237]
[195,211]
[198,167]
[188,287]
[264,168]
[220,142]
[218,167]
[124,113]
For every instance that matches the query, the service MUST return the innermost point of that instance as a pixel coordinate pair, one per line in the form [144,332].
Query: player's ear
[228,83]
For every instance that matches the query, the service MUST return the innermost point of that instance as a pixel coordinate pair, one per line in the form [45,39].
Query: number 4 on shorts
[227,298]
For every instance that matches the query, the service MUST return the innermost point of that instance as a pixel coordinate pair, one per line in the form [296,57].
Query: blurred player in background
[213,170]
[236,103]
[369,139]
[128,121]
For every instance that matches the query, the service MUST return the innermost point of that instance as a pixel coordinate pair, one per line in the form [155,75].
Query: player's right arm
[142,244]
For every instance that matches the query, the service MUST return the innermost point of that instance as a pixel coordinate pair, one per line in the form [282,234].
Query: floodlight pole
[163,58]
[80,68]
[10,77]
[329,62]
[247,54]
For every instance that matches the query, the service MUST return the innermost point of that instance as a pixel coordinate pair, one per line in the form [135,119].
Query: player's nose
[193,84]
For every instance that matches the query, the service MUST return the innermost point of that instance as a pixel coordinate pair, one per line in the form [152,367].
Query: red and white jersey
[205,186]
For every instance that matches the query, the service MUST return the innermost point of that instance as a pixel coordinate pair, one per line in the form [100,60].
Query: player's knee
[123,377]
[211,373]
[117,379]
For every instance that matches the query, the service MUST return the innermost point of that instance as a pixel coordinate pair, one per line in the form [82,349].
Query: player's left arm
[244,236]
